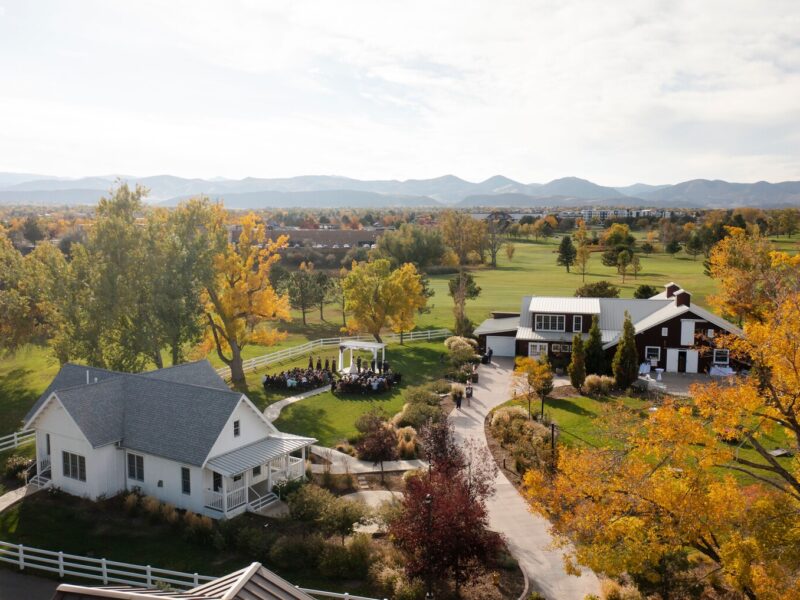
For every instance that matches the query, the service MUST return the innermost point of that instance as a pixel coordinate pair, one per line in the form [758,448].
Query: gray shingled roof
[194,373]
[143,412]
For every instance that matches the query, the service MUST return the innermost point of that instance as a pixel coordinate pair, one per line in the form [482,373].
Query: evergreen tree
[673,247]
[577,365]
[694,246]
[567,253]
[595,355]
[626,360]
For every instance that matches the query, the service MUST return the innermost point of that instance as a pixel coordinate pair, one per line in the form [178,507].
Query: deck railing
[287,354]
[12,440]
[214,500]
[237,498]
[110,571]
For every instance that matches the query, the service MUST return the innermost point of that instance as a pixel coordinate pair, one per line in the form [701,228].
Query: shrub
[284,489]
[361,555]
[417,415]
[198,527]
[309,503]
[421,395]
[288,551]
[346,448]
[169,514]
[334,562]
[15,466]
[598,385]
[440,386]
[152,507]
[130,502]
[407,443]
[611,590]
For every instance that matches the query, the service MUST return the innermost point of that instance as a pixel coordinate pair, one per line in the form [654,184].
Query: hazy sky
[617,91]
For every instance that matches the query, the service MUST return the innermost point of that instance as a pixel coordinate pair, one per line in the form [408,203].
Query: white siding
[168,472]
[252,429]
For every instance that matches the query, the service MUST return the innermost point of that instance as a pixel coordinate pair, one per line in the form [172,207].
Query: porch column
[303,451]
[341,357]
[224,495]
[350,366]
[286,467]
[383,355]
[269,476]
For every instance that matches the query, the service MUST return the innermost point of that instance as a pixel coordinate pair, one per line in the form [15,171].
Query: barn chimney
[683,298]
[671,288]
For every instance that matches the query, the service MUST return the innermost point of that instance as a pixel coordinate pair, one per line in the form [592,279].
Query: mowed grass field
[533,271]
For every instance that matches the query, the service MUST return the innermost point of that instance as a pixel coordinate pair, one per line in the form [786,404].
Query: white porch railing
[280,356]
[44,464]
[110,571]
[214,500]
[12,440]
[237,498]
[296,468]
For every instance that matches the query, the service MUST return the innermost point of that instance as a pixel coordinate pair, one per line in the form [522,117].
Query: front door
[217,481]
[672,360]
[682,361]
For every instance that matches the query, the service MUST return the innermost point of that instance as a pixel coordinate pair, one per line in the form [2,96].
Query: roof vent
[683,298]
[671,288]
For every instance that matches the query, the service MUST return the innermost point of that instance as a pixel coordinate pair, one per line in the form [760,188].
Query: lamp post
[429,583]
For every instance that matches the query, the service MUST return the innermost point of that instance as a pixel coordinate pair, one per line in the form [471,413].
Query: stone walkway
[526,533]
[273,411]
[9,498]
[344,463]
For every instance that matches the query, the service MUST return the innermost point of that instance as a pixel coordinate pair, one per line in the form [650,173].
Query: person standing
[358,364]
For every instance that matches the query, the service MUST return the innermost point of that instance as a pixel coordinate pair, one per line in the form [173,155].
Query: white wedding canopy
[354,345]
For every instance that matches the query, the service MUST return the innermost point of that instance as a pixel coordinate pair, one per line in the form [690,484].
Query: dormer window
[550,322]
[236,429]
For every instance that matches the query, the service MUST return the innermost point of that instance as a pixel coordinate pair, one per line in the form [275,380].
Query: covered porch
[242,480]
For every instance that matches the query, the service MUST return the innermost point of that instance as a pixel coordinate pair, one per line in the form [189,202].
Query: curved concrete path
[344,463]
[273,411]
[526,533]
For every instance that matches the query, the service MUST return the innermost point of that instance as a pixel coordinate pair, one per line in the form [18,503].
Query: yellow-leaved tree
[704,488]
[241,302]
[376,296]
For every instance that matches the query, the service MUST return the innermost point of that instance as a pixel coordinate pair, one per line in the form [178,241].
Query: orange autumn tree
[663,493]
[241,301]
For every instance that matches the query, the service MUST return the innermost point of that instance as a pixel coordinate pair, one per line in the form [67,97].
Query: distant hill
[574,187]
[722,194]
[315,199]
[329,191]
[638,189]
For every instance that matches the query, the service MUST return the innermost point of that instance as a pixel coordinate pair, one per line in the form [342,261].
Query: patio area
[678,384]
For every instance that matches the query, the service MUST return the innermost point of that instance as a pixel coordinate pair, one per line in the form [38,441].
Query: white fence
[110,571]
[12,440]
[99,569]
[280,356]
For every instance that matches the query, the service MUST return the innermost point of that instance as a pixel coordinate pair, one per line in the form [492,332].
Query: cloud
[536,89]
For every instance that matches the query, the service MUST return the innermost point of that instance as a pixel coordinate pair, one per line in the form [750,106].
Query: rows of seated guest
[311,377]
[366,382]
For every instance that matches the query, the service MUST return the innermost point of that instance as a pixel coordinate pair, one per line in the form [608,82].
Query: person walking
[458,401]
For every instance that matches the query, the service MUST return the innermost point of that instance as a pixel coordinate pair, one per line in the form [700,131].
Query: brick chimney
[683,298]
[671,288]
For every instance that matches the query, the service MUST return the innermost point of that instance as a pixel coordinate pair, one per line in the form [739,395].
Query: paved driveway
[526,533]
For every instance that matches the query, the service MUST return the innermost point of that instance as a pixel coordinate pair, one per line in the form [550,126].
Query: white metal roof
[362,345]
[258,453]
[497,325]
[564,304]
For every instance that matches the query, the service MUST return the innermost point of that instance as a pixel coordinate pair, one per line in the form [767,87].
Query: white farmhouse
[179,434]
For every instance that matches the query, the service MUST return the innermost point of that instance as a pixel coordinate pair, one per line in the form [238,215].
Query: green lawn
[331,418]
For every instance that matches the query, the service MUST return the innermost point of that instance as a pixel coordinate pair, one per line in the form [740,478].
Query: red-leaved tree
[442,528]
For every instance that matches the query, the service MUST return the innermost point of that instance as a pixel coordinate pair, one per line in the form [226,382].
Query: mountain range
[324,191]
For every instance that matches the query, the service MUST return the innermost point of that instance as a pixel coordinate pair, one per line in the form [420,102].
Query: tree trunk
[303,310]
[321,318]
[377,338]
[158,359]
[236,366]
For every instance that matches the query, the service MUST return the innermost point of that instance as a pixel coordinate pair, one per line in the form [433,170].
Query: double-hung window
[74,466]
[186,481]
[577,323]
[135,467]
[652,353]
[237,428]
[550,322]
[722,356]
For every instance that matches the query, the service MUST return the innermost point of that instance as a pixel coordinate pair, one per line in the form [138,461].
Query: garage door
[502,345]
